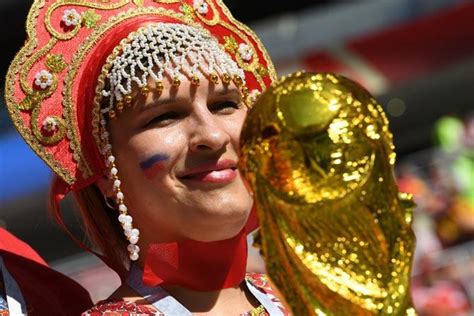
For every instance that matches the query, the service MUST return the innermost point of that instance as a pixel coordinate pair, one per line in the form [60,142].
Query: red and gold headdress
[51,83]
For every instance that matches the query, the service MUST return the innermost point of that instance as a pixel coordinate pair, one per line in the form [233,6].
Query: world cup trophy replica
[335,231]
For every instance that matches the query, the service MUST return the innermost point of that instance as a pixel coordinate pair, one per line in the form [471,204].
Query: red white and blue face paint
[153,165]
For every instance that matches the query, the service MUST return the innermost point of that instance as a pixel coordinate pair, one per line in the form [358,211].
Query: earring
[109,205]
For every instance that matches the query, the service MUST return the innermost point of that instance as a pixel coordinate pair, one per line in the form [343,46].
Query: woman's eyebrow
[227,91]
[167,101]
[157,103]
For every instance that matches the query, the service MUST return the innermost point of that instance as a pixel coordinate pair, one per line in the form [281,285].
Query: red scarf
[201,266]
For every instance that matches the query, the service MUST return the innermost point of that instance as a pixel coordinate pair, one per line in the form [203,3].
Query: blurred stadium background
[415,56]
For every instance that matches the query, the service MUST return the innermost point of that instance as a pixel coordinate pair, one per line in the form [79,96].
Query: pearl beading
[132,234]
[167,49]
[71,17]
[43,79]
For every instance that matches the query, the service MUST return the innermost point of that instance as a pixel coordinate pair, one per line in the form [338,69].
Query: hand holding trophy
[335,231]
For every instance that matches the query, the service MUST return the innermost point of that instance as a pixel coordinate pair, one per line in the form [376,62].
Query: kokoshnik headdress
[84,53]
[51,84]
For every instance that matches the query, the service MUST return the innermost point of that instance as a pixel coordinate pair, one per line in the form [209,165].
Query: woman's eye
[163,119]
[225,107]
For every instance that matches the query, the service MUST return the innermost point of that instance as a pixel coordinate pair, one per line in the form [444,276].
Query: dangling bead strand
[132,234]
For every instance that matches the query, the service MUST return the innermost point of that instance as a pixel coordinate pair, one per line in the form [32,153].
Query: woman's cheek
[158,151]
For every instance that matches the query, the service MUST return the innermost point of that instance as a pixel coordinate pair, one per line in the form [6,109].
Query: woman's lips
[214,176]
[223,171]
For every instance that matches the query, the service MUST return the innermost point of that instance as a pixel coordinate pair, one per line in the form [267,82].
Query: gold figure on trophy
[335,231]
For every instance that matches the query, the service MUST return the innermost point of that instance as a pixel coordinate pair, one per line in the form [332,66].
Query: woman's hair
[102,227]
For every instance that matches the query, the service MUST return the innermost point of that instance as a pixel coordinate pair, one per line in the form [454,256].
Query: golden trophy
[335,231]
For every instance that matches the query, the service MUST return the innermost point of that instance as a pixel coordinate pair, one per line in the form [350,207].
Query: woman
[137,106]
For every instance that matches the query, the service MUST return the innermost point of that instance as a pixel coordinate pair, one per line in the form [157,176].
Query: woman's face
[177,155]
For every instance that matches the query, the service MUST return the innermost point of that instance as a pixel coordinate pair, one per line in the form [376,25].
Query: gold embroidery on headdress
[91,18]
[14,107]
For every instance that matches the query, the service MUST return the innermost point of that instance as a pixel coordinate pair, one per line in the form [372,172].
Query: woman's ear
[105,185]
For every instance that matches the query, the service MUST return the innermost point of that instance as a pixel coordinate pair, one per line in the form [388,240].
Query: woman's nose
[208,133]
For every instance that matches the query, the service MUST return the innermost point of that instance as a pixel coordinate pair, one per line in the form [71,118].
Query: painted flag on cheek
[153,165]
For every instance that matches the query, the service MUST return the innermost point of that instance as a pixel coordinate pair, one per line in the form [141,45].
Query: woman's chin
[218,228]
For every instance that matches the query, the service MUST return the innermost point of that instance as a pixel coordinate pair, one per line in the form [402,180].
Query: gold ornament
[226,79]
[188,11]
[138,3]
[145,90]
[195,80]
[119,106]
[55,63]
[238,81]
[335,232]
[262,70]
[230,44]
[90,18]
[112,114]
[159,87]
[176,82]
[214,78]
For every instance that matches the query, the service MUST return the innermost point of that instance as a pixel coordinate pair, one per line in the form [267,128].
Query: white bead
[134,256]
[117,183]
[127,232]
[122,208]
[119,196]
[121,218]
[133,248]
[50,124]
[135,232]
[71,17]
[128,219]
[127,226]
[111,158]
[133,239]
[114,171]
[43,79]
